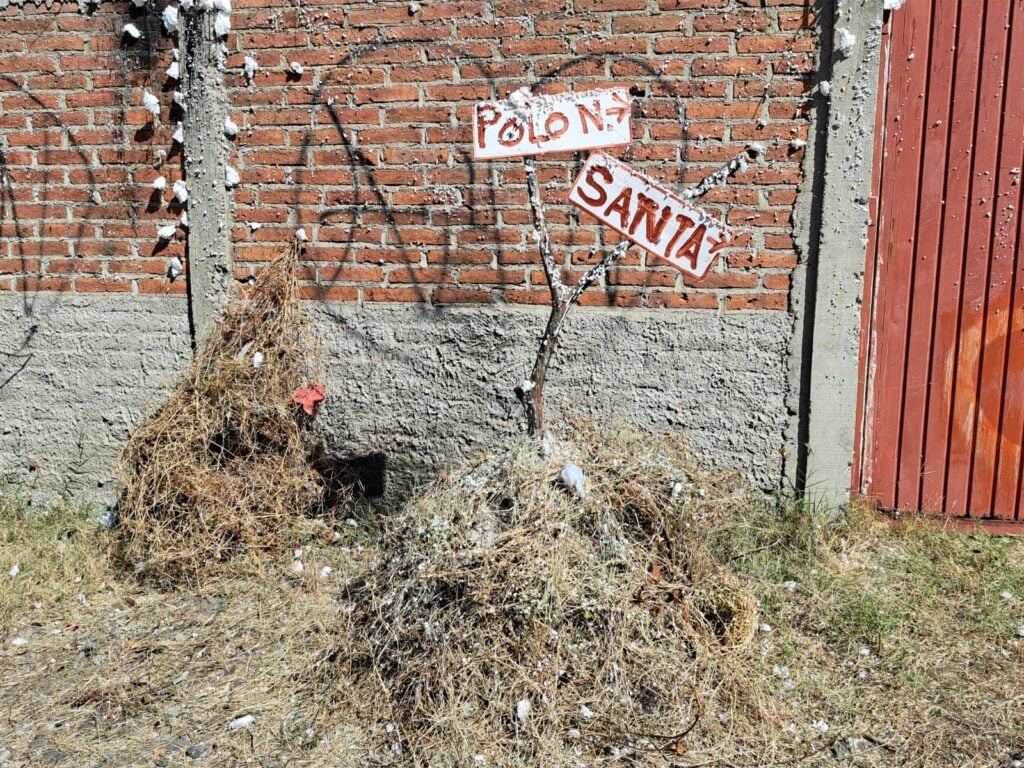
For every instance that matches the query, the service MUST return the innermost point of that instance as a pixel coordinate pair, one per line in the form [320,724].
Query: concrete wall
[425,387]
[95,362]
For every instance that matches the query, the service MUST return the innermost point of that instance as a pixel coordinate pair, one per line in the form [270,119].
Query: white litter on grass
[300,235]
[173,71]
[249,67]
[1020,631]
[766,628]
[15,570]
[326,571]
[295,67]
[222,24]
[180,189]
[298,567]
[523,710]
[230,127]
[791,586]
[586,711]
[160,183]
[241,722]
[572,477]
[179,134]
[151,103]
[257,359]
[132,31]
[820,725]
[19,641]
[170,17]
[1006,595]
[231,178]
[846,40]
[174,267]
[166,233]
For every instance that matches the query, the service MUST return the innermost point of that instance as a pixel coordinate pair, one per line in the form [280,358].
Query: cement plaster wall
[96,360]
[423,386]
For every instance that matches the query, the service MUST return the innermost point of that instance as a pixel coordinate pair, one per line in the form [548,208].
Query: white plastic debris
[257,359]
[845,40]
[300,235]
[677,489]
[19,641]
[249,67]
[586,711]
[231,178]
[298,567]
[222,24]
[295,68]
[791,586]
[160,183]
[523,710]
[1020,631]
[766,628]
[820,725]
[132,31]
[173,71]
[572,477]
[180,189]
[166,233]
[1006,595]
[151,103]
[170,17]
[15,570]
[326,571]
[230,127]
[241,722]
[174,268]
[179,134]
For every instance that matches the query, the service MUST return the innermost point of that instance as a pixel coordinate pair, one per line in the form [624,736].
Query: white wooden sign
[649,215]
[566,122]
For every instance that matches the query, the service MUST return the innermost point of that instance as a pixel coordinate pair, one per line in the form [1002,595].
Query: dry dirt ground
[874,646]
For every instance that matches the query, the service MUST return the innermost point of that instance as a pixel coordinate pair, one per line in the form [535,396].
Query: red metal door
[942,417]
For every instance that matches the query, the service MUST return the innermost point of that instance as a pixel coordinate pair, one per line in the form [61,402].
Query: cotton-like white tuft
[222,24]
[173,71]
[160,183]
[151,103]
[166,233]
[174,268]
[132,31]
[230,127]
[180,189]
[170,17]
[300,235]
[523,710]
[231,178]
[572,477]
[295,67]
[15,570]
[241,722]
[257,359]
[179,134]
[249,67]
[298,567]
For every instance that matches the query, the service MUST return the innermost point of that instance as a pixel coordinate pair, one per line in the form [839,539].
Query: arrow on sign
[621,110]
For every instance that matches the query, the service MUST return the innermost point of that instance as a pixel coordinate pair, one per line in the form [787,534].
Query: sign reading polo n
[647,214]
[567,122]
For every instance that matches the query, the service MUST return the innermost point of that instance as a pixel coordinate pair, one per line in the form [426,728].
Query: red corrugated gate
[942,416]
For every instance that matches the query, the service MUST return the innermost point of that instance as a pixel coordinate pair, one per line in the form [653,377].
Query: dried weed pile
[510,622]
[222,467]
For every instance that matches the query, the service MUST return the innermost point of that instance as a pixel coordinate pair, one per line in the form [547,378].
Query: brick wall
[368,149]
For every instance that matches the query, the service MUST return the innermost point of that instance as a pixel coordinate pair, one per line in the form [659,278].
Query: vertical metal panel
[944,375]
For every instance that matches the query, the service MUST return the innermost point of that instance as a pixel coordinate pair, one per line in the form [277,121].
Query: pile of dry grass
[509,622]
[222,467]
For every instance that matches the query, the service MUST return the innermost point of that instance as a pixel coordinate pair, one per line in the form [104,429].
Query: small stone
[196,751]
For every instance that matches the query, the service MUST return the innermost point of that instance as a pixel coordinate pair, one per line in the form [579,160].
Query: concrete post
[833,211]
[209,204]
